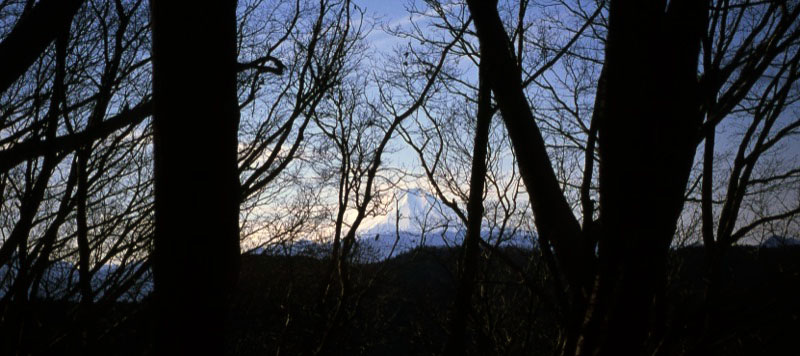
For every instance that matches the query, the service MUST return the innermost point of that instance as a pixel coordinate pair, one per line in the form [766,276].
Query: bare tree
[37,26]
[304,136]
[361,141]
[455,343]
[45,142]
[314,47]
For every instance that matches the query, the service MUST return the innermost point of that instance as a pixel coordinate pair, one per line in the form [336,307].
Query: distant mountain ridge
[776,241]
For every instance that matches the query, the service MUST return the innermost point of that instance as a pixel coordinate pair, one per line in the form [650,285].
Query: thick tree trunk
[196,117]
[456,342]
[647,144]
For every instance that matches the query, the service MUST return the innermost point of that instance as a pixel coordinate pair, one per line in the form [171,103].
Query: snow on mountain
[776,241]
[418,219]
[418,212]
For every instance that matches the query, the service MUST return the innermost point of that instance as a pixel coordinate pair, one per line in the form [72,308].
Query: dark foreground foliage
[401,306]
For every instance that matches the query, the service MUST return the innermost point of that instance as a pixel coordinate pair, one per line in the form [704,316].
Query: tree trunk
[31,36]
[195,123]
[646,140]
[553,215]
[456,342]
[647,144]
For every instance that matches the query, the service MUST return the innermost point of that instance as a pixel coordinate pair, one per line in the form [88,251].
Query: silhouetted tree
[360,140]
[650,109]
[37,26]
[44,117]
[600,112]
[469,265]
[197,195]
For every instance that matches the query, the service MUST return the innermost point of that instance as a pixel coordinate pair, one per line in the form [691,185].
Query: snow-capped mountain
[418,219]
[416,211]
[776,241]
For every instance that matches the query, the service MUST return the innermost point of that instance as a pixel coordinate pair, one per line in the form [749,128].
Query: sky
[394,13]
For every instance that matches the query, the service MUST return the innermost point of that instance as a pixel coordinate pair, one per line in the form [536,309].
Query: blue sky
[387,11]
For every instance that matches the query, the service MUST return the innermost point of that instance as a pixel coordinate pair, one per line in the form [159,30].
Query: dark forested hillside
[403,304]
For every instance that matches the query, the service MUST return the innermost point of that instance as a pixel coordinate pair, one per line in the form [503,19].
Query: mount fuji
[419,219]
